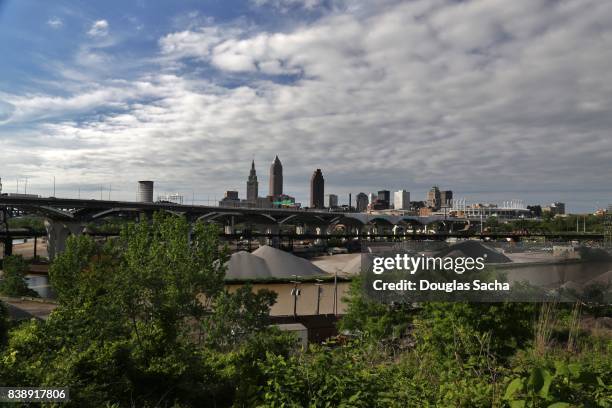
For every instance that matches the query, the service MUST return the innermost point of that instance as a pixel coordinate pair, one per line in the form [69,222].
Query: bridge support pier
[57,234]
[273,241]
[229,227]
[8,246]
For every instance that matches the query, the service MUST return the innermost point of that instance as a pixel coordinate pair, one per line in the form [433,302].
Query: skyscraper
[433,198]
[446,198]
[401,200]
[276,178]
[252,185]
[317,190]
[384,199]
[361,202]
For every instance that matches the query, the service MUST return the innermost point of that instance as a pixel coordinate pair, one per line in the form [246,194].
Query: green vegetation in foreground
[145,321]
[13,281]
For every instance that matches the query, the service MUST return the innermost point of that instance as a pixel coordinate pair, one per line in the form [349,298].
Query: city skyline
[401,95]
[103,192]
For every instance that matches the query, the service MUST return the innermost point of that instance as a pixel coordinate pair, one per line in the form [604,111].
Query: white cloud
[99,28]
[488,95]
[55,22]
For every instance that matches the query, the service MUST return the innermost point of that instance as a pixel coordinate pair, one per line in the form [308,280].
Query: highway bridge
[65,216]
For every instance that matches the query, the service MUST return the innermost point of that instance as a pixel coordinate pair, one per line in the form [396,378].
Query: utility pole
[577,218]
[319,290]
[54,186]
[336,292]
[295,292]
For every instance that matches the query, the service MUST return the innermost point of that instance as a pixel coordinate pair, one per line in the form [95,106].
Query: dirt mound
[269,263]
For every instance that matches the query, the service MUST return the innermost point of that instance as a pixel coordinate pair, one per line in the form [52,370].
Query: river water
[40,283]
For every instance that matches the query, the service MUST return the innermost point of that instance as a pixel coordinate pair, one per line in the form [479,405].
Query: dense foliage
[549,223]
[145,321]
[142,321]
[4,324]
[13,281]
[30,222]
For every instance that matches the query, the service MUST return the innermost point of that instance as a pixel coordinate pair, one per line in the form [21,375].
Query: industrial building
[145,191]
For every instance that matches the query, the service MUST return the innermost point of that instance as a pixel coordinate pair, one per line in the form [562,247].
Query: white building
[401,200]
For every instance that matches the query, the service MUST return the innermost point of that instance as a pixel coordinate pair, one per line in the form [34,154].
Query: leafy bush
[4,325]
[14,281]
[508,325]
[374,319]
[565,385]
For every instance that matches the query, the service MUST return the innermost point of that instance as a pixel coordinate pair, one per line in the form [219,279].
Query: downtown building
[332,201]
[437,199]
[276,179]
[317,190]
[361,202]
[401,200]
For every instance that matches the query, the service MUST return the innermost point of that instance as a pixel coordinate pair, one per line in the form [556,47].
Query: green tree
[14,281]
[237,316]
[505,326]
[4,325]
[132,317]
[371,318]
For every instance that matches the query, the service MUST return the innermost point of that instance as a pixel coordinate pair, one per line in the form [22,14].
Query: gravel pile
[269,263]
[473,249]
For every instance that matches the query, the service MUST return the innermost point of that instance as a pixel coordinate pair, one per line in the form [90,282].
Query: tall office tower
[559,208]
[384,199]
[401,200]
[446,198]
[276,178]
[361,202]
[317,190]
[252,185]
[433,198]
[332,201]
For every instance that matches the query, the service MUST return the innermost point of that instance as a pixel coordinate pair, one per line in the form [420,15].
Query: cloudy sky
[493,99]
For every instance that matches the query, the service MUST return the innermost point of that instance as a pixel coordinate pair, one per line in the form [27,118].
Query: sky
[495,99]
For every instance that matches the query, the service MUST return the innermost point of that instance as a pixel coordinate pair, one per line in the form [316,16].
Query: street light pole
[295,292]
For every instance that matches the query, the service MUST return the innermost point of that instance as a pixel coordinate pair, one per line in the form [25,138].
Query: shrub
[14,281]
